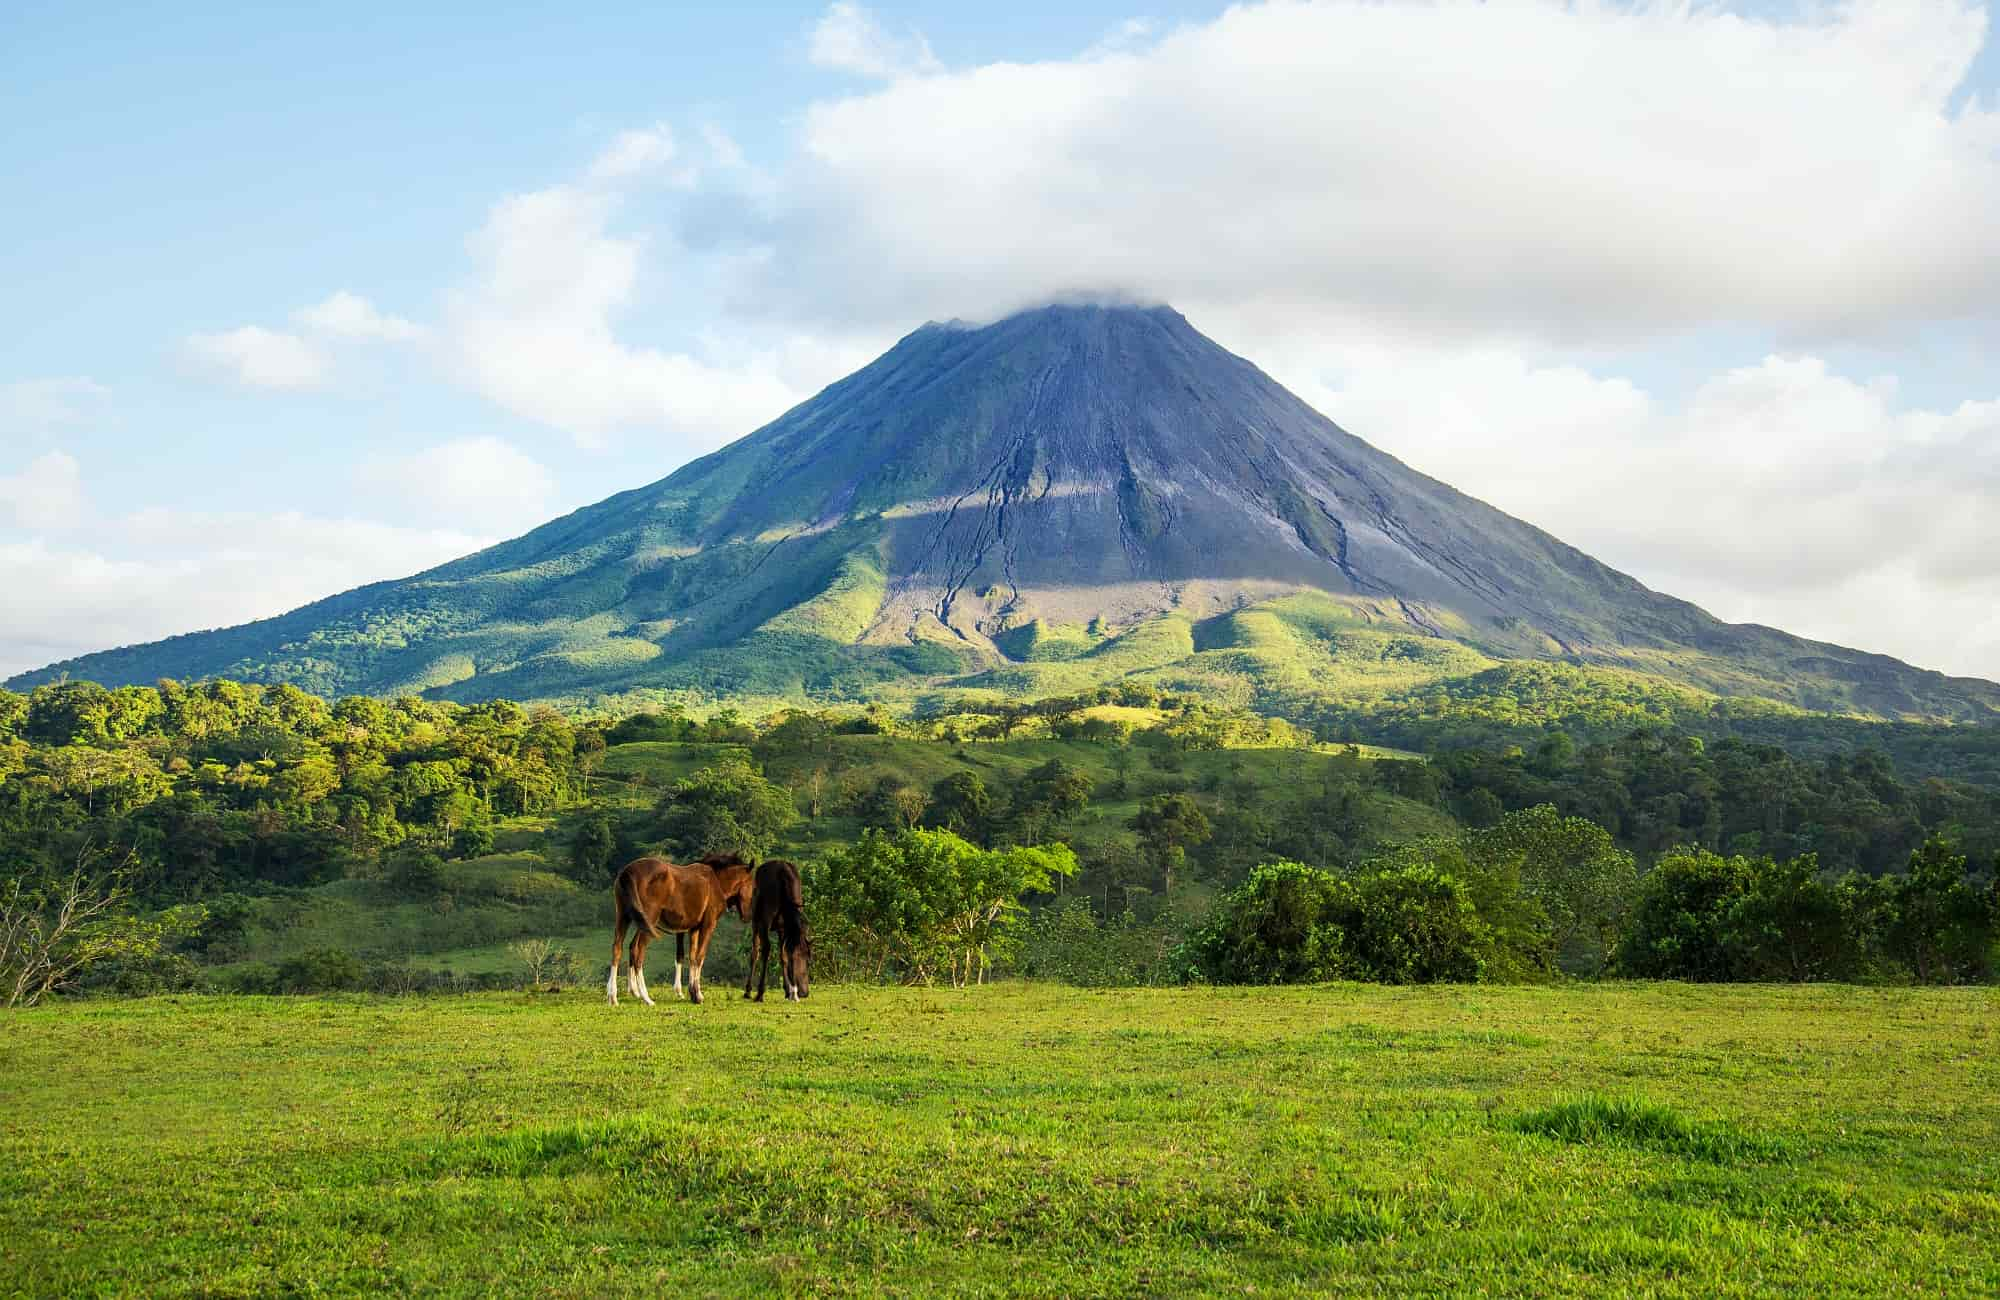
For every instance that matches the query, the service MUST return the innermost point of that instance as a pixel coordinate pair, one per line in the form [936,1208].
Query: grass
[1714,1141]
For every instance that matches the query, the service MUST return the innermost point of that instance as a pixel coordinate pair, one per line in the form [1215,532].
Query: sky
[299,300]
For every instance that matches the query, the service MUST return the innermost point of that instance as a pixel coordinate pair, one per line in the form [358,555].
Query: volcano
[1073,493]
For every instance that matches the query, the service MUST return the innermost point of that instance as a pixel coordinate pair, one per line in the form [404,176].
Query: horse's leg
[750,972]
[635,977]
[680,956]
[639,968]
[697,950]
[617,946]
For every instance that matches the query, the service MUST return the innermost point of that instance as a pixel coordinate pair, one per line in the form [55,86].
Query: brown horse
[777,901]
[657,897]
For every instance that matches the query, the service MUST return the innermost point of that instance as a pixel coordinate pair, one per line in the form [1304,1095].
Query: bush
[1704,917]
[472,842]
[1680,928]
[1294,924]
[323,970]
[924,904]
[1284,925]
[415,872]
[1416,925]
[1069,943]
[727,807]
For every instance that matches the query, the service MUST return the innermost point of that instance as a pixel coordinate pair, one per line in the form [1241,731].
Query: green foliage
[924,904]
[59,929]
[1167,826]
[1571,871]
[473,841]
[1286,924]
[1068,942]
[1705,917]
[960,803]
[1393,923]
[1941,924]
[415,872]
[590,850]
[323,970]
[727,807]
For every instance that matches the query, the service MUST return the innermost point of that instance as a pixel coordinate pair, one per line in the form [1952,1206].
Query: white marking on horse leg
[611,986]
[679,992]
[645,994]
[632,980]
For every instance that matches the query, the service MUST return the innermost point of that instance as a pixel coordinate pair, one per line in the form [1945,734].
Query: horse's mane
[720,861]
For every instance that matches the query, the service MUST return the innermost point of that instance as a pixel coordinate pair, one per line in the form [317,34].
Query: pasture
[1011,1139]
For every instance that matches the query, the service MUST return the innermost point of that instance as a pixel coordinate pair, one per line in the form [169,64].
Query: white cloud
[350,316]
[162,572]
[848,38]
[633,152]
[482,482]
[1567,171]
[47,494]
[41,406]
[1781,493]
[260,358]
[534,332]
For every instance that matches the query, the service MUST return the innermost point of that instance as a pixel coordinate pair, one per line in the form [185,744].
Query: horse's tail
[626,905]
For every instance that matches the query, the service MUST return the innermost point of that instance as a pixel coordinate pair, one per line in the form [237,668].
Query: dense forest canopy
[1517,861]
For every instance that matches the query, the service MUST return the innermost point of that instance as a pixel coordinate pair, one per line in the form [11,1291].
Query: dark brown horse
[658,897]
[777,902]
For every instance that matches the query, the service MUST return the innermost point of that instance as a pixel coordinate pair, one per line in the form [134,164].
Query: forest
[236,836]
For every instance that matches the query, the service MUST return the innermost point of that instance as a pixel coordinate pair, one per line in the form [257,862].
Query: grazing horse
[657,897]
[776,900]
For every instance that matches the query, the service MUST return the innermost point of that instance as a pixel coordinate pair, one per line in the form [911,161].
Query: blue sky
[296,302]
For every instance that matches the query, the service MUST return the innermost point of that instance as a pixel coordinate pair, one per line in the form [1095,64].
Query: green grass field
[1014,1139]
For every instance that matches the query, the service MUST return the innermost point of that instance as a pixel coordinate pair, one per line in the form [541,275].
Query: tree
[54,928]
[727,807]
[1793,924]
[1941,926]
[474,841]
[1290,924]
[893,805]
[1168,825]
[1679,928]
[926,904]
[1283,925]
[960,804]
[1570,867]
[416,872]
[590,850]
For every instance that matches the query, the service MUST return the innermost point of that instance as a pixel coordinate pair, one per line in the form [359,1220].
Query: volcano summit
[1074,493]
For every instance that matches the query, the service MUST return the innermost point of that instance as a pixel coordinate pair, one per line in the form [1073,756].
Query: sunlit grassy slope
[1010,1140]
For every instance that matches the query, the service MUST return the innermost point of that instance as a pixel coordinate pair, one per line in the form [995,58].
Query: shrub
[1416,925]
[1294,924]
[1680,928]
[415,872]
[924,904]
[472,842]
[1940,924]
[323,970]
[1068,942]
[1284,925]
[727,807]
